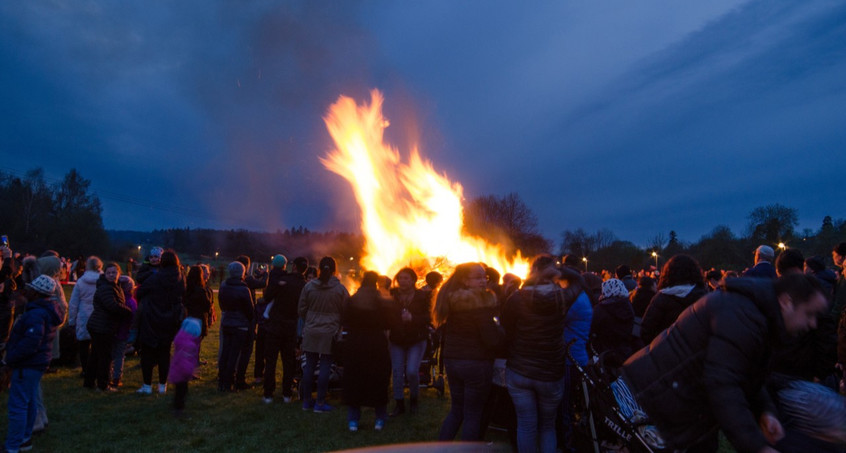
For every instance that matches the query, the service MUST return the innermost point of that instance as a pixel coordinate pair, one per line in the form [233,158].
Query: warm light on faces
[800,318]
[477,279]
[405,282]
[112,274]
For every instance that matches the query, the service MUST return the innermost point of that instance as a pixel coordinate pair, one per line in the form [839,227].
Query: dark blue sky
[639,117]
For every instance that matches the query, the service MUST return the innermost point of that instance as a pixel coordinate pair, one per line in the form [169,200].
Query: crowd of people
[696,351]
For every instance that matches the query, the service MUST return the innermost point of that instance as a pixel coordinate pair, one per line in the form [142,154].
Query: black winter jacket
[533,319]
[664,310]
[708,370]
[236,303]
[109,308]
[411,332]
[160,306]
[31,341]
[470,332]
[611,330]
[285,298]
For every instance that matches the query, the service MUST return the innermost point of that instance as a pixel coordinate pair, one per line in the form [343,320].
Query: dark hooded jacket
[414,331]
[707,371]
[611,330]
[664,309]
[30,344]
[160,305]
[283,291]
[470,332]
[109,308]
[533,319]
[236,304]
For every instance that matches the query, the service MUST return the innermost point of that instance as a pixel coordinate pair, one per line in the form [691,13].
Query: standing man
[763,267]
[282,294]
[707,371]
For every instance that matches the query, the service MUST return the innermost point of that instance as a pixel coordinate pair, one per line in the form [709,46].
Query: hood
[47,306]
[90,277]
[332,283]
[468,299]
[826,275]
[680,291]
[762,293]
[276,273]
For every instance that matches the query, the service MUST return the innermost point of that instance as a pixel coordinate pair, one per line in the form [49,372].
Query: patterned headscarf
[614,287]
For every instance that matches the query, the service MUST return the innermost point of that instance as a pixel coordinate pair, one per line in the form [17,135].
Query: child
[186,348]
[28,353]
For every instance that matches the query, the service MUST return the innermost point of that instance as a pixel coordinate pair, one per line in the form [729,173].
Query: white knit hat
[43,284]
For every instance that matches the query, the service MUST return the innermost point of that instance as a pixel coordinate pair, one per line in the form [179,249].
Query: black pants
[280,344]
[232,341]
[84,350]
[152,357]
[100,360]
[180,395]
[261,339]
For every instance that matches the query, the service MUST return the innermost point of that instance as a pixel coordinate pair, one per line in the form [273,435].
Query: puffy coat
[411,332]
[236,304]
[160,306]
[320,307]
[665,307]
[577,328]
[470,332]
[707,370]
[198,304]
[533,319]
[109,308]
[81,303]
[30,344]
[283,291]
[611,330]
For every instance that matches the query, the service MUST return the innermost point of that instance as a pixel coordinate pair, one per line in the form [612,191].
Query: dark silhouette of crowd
[692,352]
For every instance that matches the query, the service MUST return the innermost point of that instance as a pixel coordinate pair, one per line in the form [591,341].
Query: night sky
[639,117]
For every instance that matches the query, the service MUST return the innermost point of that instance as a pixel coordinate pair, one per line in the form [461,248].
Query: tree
[78,223]
[505,220]
[772,223]
[720,249]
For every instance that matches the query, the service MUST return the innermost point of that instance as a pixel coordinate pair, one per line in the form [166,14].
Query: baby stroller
[599,419]
[431,366]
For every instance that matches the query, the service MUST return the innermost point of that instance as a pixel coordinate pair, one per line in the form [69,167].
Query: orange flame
[411,215]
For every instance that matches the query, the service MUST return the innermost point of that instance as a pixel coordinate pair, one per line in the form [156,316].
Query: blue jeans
[469,384]
[322,376]
[406,360]
[22,406]
[536,403]
[118,356]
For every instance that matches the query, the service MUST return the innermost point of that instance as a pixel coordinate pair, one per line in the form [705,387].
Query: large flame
[411,215]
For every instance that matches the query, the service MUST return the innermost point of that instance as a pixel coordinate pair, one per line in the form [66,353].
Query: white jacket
[82,303]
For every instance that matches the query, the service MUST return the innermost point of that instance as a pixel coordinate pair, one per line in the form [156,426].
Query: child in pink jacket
[186,349]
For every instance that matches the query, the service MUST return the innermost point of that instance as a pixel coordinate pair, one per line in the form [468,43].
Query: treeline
[772,225]
[61,216]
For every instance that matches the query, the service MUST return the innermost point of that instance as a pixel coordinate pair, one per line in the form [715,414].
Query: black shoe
[399,409]
[243,386]
[412,407]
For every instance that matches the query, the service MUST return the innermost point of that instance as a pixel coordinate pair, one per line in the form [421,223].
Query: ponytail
[327,269]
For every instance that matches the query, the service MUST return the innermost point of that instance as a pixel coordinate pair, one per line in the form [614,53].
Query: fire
[410,214]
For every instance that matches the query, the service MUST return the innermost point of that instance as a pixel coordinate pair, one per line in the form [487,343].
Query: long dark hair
[680,270]
[454,283]
[327,269]
[169,259]
[194,278]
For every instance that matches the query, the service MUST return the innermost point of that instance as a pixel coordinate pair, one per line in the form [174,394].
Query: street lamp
[584,258]
[782,245]
[655,255]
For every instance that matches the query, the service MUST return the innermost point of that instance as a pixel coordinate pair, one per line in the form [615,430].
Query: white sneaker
[267,400]
[162,389]
[145,389]
[287,399]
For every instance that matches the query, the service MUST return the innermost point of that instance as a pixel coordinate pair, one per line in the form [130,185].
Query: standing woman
[367,365]
[109,311]
[80,306]
[198,298]
[410,316]
[161,312]
[320,307]
[466,309]
[534,320]
[680,285]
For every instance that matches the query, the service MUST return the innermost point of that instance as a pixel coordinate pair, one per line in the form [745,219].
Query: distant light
[782,246]
[654,254]
[584,259]
[351,258]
